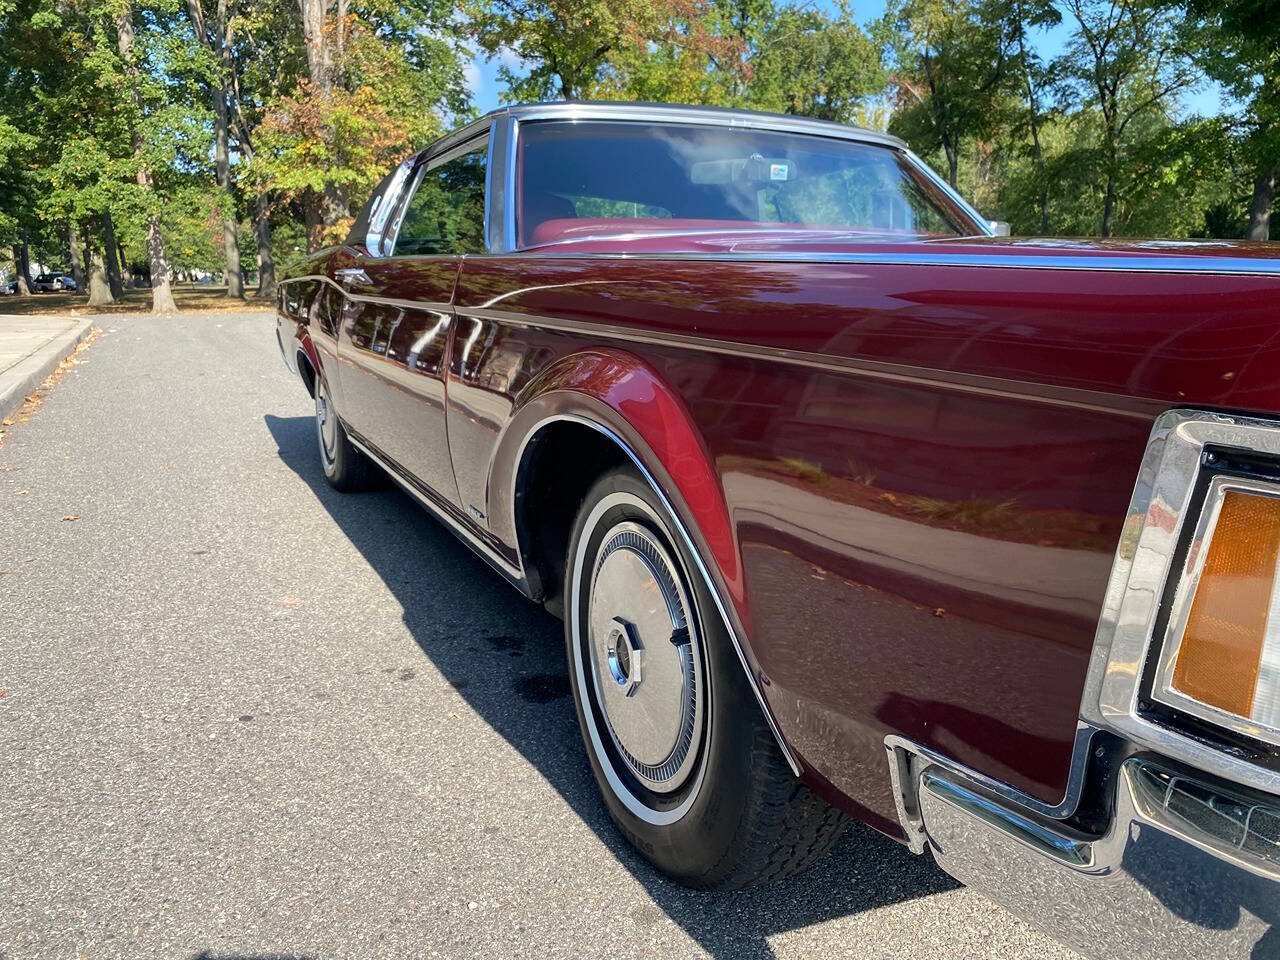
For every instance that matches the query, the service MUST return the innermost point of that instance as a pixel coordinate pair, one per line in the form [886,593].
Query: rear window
[611,177]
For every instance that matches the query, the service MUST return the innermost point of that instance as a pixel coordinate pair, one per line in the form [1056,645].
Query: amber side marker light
[1223,661]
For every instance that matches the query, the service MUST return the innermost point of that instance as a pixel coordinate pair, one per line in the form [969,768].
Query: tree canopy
[147,140]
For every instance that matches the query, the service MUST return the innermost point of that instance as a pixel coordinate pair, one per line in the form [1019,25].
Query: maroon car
[849,506]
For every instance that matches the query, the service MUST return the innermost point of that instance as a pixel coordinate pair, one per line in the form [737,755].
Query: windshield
[610,177]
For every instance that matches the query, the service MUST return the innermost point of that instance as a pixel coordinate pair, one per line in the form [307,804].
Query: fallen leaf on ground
[71,516]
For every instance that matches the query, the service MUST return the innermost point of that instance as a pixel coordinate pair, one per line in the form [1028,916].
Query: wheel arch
[306,370]
[623,412]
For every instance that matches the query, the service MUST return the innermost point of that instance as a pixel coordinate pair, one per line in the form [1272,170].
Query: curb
[23,378]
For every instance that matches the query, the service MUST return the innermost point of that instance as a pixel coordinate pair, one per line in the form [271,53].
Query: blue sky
[485,87]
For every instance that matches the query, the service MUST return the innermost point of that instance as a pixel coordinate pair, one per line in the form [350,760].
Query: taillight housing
[1188,645]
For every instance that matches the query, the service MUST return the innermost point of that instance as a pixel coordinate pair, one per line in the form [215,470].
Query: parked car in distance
[69,282]
[10,288]
[46,283]
[850,507]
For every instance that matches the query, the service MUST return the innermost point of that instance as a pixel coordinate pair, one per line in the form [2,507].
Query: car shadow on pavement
[505,657]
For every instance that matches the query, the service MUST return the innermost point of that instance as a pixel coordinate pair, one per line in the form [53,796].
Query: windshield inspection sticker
[778,171]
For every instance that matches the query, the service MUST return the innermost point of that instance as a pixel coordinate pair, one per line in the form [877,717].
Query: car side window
[446,212]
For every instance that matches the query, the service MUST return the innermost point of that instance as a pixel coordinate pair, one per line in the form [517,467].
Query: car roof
[666,113]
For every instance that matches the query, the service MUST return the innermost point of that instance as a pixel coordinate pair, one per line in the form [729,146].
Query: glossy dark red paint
[908,480]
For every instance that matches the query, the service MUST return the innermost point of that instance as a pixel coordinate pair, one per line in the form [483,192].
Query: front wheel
[345,467]
[680,750]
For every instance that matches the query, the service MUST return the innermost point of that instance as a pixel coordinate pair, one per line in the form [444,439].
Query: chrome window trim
[501,189]
[1143,564]
[488,188]
[431,160]
[375,237]
[587,112]
[1188,581]
[936,179]
[706,116]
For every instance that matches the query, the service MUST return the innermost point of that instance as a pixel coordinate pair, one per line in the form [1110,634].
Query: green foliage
[1094,140]
[950,61]
[567,43]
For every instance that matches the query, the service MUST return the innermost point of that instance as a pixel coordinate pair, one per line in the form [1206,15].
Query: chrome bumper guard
[1186,870]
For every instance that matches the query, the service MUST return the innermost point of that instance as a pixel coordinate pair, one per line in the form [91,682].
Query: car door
[397,319]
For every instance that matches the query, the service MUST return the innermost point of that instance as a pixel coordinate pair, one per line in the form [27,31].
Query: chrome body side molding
[1233,266]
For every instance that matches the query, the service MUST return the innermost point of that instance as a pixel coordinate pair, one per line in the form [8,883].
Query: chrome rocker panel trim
[512,574]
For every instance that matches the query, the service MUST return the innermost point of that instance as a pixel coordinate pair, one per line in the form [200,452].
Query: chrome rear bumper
[1186,870]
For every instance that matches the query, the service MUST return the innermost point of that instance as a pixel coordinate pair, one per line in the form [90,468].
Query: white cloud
[472,77]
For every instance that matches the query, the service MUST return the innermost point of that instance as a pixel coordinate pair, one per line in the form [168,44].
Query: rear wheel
[345,467]
[682,754]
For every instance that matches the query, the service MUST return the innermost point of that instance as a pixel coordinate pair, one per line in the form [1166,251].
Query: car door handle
[350,275]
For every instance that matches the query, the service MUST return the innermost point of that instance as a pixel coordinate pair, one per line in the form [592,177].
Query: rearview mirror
[752,169]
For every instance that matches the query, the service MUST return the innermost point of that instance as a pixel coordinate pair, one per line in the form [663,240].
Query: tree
[379,83]
[815,65]
[950,59]
[566,43]
[161,293]
[214,29]
[1126,58]
[1035,83]
[1239,46]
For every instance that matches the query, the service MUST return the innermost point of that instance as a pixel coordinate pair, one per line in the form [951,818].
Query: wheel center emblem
[625,656]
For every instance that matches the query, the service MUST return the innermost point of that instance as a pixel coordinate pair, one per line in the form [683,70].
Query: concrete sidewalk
[31,347]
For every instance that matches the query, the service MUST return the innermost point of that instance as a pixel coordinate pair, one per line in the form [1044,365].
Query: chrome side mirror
[1000,227]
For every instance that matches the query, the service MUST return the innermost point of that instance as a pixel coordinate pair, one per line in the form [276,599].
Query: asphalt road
[246,716]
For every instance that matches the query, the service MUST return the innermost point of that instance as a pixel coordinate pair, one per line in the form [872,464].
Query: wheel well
[560,465]
[307,372]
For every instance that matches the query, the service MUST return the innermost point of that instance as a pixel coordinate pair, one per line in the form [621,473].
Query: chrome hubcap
[645,657]
[326,424]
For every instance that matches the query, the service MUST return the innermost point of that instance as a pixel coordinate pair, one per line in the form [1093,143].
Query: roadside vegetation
[149,142]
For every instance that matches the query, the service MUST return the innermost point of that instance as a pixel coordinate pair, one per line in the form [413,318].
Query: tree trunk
[1109,206]
[99,288]
[953,165]
[335,205]
[1042,200]
[24,267]
[222,161]
[1264,192]
[319,56]
[126,272]
[314,221]
[266,263]
[112,256]
[77,256]
[157,262]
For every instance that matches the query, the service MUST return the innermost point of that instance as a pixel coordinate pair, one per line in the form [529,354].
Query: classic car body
[940,491]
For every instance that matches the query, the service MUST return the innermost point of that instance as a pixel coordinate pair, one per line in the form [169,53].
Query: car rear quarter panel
[924,471]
